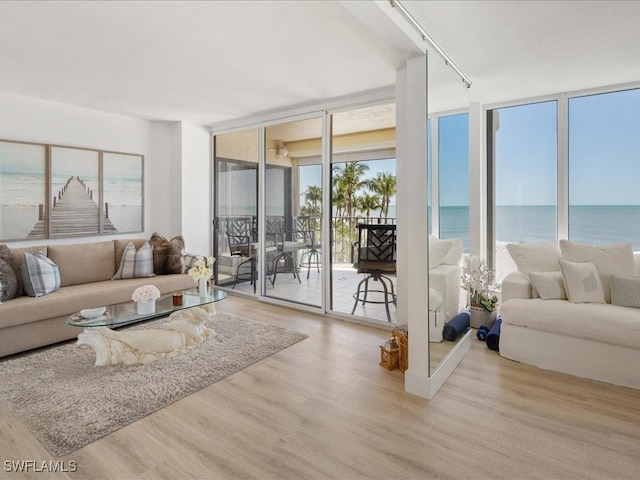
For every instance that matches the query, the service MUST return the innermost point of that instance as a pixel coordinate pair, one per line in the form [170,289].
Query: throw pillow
[10,279]
[40,275]
[581,282]
[548,285]
[167,254]
[625,291]
[455,254]
[612,259]
[438,251]
[535,257]
[189,260]
[135,264]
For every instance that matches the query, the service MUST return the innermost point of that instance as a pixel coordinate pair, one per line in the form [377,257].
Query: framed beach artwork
[55,191]
[23,182]
[122,176]
[75,192]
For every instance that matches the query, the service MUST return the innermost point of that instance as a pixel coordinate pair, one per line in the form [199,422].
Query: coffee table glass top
[125,313]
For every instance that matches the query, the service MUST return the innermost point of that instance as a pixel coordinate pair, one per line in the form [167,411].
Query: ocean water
[21,190]
[27,190]
[592,224]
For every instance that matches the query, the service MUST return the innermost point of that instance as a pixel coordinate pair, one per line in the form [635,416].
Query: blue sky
[453,160]
[604,151]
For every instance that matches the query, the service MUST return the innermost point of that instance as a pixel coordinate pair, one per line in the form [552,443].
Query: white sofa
[546,323]
[444,283]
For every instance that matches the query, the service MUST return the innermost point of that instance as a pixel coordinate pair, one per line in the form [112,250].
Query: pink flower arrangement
[146,293]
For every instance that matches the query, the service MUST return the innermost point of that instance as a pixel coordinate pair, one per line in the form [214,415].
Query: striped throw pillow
[39,275]
[189,260]
[136,264]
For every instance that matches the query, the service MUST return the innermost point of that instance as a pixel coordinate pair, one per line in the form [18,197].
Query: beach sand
[17,222]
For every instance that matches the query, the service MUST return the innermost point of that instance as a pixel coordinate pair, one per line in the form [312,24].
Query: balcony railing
[344,232]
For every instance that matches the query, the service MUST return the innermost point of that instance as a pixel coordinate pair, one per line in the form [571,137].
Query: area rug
[67,402]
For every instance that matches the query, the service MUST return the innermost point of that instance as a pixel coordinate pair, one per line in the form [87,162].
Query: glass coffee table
[183,330]
[122,314]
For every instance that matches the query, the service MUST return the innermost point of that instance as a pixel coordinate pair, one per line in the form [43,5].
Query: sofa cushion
[10,279]
[40,275]
[548,285]
[535,257]
[455,254]
[612,259]
[582,282]
[83,262]
[600,322]
[438,250]
[19,252]
[625,291]
[167,254]
[136,263]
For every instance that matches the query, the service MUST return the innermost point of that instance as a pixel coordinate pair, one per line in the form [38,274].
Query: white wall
[39,121]
[196,208]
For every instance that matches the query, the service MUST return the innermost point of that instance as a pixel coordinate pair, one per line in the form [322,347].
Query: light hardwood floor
[323,408]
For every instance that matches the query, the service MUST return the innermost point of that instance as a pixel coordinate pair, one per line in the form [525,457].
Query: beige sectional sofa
[86,272]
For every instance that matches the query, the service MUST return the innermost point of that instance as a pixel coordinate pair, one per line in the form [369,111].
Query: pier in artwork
[74,212]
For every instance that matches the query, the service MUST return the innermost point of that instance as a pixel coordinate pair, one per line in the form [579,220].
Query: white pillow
[612,259]
[438,250]
[136,264]
[39,275]
[582,282]
[625,291]
[455,254]
[535,257]
[549,285]
[189,260]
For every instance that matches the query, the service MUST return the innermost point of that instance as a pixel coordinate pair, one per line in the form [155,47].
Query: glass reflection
[448,184]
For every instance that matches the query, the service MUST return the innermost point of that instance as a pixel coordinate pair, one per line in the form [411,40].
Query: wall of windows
[604,168]
[542,191]
[525,164]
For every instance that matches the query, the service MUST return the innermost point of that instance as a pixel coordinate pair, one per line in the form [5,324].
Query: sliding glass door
[270,234]
[293,222]
[236,210]
[363,181]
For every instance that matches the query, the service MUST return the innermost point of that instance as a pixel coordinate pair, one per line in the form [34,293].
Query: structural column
[413,271]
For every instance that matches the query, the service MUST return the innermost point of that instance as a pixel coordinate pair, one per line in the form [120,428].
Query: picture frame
[56,191]
[23,190]
[75,192]
[123,188]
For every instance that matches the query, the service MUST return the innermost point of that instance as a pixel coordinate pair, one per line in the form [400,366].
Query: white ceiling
[209,62]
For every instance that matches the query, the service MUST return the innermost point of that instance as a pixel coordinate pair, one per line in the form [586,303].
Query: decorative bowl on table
[89,313]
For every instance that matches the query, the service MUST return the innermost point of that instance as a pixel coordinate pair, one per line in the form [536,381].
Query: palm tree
[384,185]
[348,179]
[338,199]
[312,200]
[368,202]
